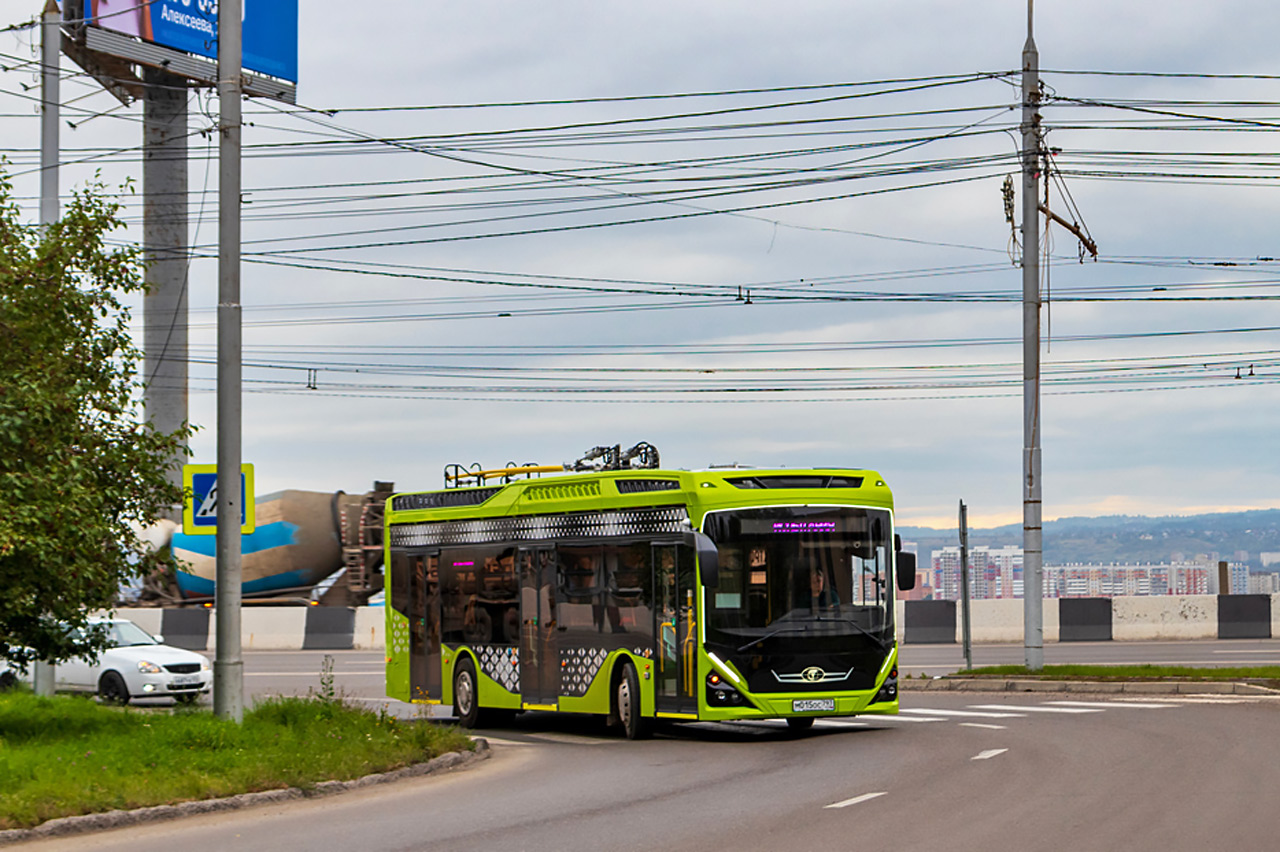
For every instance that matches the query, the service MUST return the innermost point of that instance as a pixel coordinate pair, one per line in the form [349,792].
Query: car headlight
[148,667]
[204,665]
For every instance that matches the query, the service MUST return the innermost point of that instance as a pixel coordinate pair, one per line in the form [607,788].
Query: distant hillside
[1129,538]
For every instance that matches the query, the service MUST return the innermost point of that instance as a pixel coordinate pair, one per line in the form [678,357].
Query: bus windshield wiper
[879,640]
[786,628]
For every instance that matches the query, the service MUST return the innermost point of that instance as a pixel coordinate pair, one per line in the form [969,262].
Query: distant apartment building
[1265,583]
[997,573]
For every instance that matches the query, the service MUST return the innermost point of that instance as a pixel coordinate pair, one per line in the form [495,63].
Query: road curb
[986,684]
[66,826]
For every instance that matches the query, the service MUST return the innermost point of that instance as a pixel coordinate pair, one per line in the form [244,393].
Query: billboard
[270,34]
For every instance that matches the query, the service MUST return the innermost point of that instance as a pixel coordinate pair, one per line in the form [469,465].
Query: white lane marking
[894,719]
[856,800]
[840,723]
[989,753]
[981,725]
[1107,705]
[928,711]
[1021,708]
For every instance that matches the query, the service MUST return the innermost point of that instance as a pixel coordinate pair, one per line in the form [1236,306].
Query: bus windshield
[797,577]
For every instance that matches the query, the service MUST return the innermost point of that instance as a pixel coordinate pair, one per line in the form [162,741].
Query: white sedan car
[135,665]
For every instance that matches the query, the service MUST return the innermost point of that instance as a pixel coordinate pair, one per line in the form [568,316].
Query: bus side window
[400,576]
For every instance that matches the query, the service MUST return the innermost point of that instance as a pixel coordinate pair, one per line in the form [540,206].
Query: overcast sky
[555,261]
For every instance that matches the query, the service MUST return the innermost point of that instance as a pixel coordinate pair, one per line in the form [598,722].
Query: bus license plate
[801,705]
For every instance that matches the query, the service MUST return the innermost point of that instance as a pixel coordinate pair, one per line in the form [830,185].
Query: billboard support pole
[228,682]
[50,98]
[164,238]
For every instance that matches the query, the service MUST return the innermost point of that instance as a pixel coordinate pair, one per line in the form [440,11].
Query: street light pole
[228,666]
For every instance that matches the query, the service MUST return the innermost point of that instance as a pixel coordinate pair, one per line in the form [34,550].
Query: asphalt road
[953,772]
[359,674]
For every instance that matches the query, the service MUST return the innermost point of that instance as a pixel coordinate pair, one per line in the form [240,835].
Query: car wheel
[111,689]
[466,698]
[627,705]
[799,723]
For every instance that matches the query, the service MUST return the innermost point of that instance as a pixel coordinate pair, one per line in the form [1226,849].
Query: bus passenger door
[424,626]
[539,662]
[675,629]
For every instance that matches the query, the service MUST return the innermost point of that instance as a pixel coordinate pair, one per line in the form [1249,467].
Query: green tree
[79,466]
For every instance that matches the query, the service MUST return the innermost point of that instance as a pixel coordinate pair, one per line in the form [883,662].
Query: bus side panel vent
[795,481]
[443,499]
[637,486]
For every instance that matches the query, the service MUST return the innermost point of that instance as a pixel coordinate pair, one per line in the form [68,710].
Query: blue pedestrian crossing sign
[200,499]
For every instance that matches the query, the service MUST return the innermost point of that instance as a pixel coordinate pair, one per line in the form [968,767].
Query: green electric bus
[642,593]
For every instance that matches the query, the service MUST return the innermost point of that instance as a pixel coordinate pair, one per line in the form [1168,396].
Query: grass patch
[1266,675]
[64,756]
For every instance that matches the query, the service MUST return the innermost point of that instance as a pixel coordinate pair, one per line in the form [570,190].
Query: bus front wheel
[466,698]
[627,700]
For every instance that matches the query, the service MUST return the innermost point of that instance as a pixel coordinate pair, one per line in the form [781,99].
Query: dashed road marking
[989,753]
[981,725]
[856,800]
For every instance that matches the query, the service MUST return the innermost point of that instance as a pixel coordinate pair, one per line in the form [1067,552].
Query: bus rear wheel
[627,705]
[466,698]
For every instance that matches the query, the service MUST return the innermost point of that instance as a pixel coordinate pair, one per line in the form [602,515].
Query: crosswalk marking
[1022,708]
[926,711]
[1107,705]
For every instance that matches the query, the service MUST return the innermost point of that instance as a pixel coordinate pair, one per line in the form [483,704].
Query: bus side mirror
[708,559]
[906,571]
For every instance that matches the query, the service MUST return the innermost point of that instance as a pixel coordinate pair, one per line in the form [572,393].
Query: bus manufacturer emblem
[813,674]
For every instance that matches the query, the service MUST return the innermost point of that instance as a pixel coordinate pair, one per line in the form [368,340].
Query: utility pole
[50,99]
[228,666]
[1032,532]
[965,634]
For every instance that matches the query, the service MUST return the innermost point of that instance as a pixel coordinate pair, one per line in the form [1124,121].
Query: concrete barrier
[275,628]
[329,628]
[186,628]
[929,622]
[1165,617]
[1084,619]
[370,629]
[1244,616]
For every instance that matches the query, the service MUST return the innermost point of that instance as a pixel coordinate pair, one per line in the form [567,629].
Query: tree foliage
[80,469]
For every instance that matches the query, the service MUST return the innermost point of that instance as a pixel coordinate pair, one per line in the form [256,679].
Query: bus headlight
[889,689]
[721,694]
